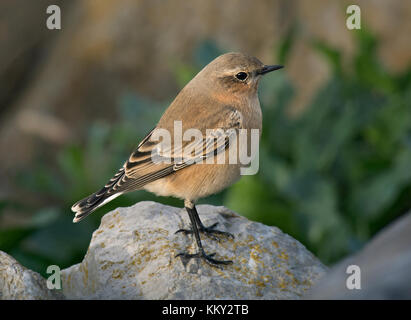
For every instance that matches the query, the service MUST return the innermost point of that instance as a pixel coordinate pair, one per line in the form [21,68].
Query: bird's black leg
[207,230]
[200,254]
[210,229]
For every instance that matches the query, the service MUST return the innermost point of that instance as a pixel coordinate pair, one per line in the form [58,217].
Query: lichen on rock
[132,256]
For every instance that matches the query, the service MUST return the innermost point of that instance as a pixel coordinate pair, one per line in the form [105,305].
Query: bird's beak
[267,69]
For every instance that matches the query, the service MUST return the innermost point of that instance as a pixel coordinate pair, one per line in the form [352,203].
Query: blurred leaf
[379,192]
[367,67]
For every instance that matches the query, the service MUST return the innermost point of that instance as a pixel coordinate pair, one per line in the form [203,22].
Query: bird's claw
[208,258]
[209,231]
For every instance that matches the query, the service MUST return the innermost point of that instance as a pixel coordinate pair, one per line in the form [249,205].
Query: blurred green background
[331,175]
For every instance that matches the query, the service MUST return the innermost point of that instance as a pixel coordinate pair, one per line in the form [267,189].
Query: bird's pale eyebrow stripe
[234,70]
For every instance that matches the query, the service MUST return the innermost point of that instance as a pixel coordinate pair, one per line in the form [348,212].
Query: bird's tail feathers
[109,192]
[87,206]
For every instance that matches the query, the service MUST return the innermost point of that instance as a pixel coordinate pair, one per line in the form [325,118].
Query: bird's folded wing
[153,160]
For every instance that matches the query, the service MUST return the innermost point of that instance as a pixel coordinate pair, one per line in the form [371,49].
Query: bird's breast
[252,114]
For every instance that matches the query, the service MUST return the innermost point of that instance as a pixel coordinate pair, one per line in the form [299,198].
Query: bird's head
[234,73]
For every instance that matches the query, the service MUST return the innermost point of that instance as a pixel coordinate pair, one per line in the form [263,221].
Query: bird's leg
[210,231]
[200,254]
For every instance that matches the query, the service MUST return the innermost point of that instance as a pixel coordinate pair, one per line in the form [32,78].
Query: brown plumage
[216,98]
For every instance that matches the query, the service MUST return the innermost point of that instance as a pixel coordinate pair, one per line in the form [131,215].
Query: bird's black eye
[241,76]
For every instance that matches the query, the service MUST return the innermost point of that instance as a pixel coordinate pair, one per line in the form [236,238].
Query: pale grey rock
[19,283]
[132,256]
[384,265]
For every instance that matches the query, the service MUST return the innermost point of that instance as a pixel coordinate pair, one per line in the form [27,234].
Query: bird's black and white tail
[109,192]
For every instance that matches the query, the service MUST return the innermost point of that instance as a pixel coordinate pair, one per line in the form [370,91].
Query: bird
[222,97]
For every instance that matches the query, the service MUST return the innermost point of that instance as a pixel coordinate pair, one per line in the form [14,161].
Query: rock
[19,283]
[132,256]
[384,263]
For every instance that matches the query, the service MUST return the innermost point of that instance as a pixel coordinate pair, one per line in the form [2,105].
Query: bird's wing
[153,160]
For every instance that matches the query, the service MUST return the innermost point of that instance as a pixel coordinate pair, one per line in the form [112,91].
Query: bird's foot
[208,258]
[209,231]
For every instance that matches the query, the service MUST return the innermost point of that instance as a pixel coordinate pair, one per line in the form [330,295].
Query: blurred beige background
[53,83]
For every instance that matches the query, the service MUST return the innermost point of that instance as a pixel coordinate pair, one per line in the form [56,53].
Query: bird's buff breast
[196,181]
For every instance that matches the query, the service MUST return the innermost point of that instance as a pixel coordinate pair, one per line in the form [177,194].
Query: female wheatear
[222,96]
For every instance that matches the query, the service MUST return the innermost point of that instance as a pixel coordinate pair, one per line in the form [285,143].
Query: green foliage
[331,177]
[50,237]
[340,172]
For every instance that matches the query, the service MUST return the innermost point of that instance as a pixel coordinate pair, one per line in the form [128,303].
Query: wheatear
[223,95]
